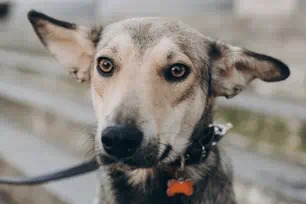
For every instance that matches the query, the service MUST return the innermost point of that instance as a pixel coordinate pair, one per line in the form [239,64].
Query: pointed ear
[233,68]
[71,45]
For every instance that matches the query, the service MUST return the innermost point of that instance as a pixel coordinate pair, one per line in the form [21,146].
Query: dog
[154,83]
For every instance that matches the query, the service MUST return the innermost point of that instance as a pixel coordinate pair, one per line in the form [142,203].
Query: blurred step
[276,176]
[30,70]
[38,63]
[275,128]
[40,99]
[58,120]
[273,107]
[36,157]
[23,194]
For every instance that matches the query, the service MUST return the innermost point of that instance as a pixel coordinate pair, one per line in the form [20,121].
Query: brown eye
[105,66]
[177,72]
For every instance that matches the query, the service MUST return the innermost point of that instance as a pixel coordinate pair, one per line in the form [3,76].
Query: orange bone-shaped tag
[177,186]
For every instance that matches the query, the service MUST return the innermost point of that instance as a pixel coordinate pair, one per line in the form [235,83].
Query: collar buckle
[217,131]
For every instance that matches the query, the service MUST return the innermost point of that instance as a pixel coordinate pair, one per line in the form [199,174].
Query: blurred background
[46,117]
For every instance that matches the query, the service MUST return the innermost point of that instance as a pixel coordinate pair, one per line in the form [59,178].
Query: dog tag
[180,186]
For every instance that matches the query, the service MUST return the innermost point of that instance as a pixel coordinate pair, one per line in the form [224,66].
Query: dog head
[152,80]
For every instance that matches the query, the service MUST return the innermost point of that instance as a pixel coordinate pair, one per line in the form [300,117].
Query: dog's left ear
[233,68]
[71,45]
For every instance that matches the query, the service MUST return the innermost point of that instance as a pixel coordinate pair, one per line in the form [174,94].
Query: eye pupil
[175,69]
[178,71]
[106,64]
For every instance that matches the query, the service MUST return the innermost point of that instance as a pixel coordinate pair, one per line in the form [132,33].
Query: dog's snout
[121,140]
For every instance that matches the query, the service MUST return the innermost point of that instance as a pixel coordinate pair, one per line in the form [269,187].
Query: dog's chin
[133,162]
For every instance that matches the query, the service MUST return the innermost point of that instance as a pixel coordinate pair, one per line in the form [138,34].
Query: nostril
[108,138]
[107,142]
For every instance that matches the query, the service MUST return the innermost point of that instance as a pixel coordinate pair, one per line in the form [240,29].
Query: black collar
[199,149]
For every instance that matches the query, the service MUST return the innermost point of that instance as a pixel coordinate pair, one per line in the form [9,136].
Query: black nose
[121,140]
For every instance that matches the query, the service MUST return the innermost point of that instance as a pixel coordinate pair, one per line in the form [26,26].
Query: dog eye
[105,67]
[177,72]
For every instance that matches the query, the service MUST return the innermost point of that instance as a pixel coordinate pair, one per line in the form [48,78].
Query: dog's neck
[148,186]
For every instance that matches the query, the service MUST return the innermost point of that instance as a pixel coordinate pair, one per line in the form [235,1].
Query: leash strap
[77,170]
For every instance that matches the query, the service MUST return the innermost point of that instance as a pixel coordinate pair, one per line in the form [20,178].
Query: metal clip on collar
[220,131]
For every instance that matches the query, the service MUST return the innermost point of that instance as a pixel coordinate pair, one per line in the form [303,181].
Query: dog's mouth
[148,157]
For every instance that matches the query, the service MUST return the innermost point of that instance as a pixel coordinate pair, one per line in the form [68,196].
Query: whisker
[171,148]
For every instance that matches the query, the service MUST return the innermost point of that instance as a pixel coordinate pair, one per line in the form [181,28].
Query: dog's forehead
[146,33]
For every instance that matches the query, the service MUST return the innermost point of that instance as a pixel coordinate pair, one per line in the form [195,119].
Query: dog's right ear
[233,68]
[71,45]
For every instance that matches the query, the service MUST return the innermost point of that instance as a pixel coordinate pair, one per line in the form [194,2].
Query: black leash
[77,170]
